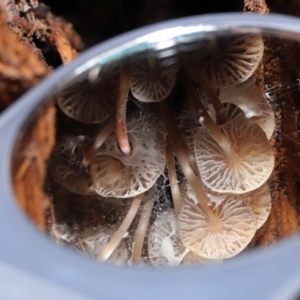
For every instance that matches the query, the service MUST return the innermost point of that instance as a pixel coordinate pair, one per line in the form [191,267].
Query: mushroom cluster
[183,140]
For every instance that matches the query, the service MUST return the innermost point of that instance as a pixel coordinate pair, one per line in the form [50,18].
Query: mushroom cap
[153,79]
[254,157]
[164,246]
[91,101]
[235,227]
[94,244]
[226,60]
[192,259]
[260,201]
[115,175]
[253,102]
[65,165]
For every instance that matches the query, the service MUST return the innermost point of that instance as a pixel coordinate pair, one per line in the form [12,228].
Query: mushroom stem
[100,139]
[205,118]
[141,229]
[121,128]
[116,239]
[151,63]
[177,142]
[173,179]
[211,94]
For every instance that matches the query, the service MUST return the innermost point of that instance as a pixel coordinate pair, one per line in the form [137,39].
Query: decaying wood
[29,169]
[256,6]
[32,42]
[279,70]
[281,64]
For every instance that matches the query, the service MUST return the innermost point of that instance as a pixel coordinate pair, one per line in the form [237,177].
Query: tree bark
[32,42]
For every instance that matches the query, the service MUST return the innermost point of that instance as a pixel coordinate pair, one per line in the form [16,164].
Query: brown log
[278,70]
[23,63]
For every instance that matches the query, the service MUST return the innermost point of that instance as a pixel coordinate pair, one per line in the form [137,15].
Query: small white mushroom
[164,246]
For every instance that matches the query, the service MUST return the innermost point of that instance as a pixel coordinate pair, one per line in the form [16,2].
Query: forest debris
[32,42]
[277,67]
[29,169]
[256,6]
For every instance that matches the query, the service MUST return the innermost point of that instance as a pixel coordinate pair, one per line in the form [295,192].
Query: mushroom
[150,80]
[260,201]
[65,165]
[93,245]
[164,246]
[224,159]
[191,259]
[116,175]
[232,230]
[253,102]
[153,79]
[92,99]
[225,60]
[245,171]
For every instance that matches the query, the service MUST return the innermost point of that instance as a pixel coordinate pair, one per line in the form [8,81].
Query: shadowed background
[98,20]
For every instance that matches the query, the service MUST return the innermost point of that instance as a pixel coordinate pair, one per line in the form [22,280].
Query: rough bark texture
[32,42]
[280,71]
[278,74]
[256,6]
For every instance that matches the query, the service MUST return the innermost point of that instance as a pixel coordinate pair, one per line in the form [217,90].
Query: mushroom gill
[232,230]
[251,166]
[91,100]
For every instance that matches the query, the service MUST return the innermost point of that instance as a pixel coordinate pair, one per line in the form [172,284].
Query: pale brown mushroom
[226,60]
[164,246]
[253,102]
[65,165]
[261,202]
[116,175]
[92,99]
[229,142]
[223,237]
[191,259]
[248,169]
[150,79]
